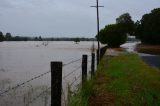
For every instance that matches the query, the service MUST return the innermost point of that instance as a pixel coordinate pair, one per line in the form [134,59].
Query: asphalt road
[153,60]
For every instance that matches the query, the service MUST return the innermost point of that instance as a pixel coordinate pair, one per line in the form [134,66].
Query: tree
[40,38]
[126,22]
[112,35]
[116,34]
[148,31]
[36,39]
[1,37]
[76,40]
[8,36]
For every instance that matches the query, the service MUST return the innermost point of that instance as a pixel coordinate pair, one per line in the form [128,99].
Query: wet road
[153,60]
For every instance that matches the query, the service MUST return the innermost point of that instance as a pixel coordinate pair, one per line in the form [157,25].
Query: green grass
[128,79]
[82,96]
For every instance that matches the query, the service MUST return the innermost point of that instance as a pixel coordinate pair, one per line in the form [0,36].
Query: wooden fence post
[84,68]
[93,65]
[56,83]
[98,57]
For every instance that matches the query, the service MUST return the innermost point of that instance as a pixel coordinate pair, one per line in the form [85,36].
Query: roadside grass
[81,97]
[123,80]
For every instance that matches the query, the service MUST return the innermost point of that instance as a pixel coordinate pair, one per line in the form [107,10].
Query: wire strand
[35,98]
[71,62]
[71,72]
[75,80]
[25,82]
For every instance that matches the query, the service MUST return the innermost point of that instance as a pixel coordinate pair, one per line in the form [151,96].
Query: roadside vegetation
[146,29]
[123,80]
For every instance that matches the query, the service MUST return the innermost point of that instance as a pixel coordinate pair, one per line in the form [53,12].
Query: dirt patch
[119,49]
[101,96]
[137,88]
[103,100]
[101,79]
[150,49]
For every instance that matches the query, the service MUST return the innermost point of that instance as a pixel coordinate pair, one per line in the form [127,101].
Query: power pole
[98,53]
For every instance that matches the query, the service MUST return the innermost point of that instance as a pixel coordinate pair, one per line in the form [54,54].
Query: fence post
[98,57]
[84,68]
[56,83]
[93,65]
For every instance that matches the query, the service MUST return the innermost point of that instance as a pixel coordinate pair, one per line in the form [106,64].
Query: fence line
[36,77]
[56,78]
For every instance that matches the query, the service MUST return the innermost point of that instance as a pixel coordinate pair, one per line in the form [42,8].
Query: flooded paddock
[22,61]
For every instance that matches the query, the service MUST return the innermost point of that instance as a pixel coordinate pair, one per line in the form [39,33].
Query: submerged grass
[121,81]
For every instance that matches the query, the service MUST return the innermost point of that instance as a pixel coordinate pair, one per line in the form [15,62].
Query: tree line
[147,29]
[9,37]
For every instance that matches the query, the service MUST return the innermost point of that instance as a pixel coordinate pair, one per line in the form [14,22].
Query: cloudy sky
[65,18]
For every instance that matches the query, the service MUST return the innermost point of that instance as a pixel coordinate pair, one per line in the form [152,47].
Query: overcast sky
[65,18]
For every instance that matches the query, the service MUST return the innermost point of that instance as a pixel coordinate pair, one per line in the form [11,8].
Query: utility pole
[98,53]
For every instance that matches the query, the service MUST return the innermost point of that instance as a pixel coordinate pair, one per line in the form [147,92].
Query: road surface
[153,60]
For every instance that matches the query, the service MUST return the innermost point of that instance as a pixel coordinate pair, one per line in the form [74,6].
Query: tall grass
[126,78]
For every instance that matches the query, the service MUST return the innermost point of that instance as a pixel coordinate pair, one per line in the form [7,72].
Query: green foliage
[76,40]
[8,37]
[113,35]
[81,98]
[116,34]
[148,29]
[1,37]
[126,23]
[126,78]
[132,82]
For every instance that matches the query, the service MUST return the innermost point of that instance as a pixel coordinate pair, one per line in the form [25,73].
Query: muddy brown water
[21,61]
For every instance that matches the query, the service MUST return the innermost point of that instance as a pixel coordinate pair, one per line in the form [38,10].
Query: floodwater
[21,61]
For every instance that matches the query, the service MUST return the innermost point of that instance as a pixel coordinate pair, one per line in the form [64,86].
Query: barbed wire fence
[29,98]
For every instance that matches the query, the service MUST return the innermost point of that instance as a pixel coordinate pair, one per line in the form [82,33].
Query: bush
[113,35]
[148,29]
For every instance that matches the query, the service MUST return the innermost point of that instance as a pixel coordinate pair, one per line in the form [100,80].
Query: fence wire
[23,83]
[36,77]
[38,96]
[75,80]
[72,72]
[71,62]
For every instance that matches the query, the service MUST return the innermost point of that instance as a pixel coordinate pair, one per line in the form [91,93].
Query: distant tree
[40,38]
[112,35]
[148,30]
[76,40]
[137,29]
[126,22]
[8,37]
[36,39]
[1,37]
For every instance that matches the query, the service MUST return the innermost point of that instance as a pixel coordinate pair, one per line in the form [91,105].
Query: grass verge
[123,80]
